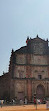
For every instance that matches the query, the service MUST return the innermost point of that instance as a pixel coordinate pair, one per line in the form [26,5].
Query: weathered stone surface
[28,72]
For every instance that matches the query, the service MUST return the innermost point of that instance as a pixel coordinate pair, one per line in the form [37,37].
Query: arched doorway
[40,91]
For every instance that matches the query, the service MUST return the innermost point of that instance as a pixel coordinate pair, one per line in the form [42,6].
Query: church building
[28,72]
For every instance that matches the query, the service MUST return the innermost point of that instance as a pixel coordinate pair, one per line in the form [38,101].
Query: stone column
[25,88]
[29,90]
[28,76]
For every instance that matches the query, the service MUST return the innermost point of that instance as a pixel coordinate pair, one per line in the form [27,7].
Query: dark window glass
[39,76]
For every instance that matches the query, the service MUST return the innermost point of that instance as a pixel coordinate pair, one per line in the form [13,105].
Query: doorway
[40,92]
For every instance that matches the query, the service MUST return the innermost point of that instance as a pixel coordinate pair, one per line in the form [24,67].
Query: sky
[19,19]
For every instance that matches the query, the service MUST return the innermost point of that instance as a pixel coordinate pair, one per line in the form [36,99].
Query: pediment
[38,39]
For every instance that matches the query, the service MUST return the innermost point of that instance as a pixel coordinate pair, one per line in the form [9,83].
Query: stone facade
[28,71]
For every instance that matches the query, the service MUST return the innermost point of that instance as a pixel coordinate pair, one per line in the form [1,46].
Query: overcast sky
[19,19]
